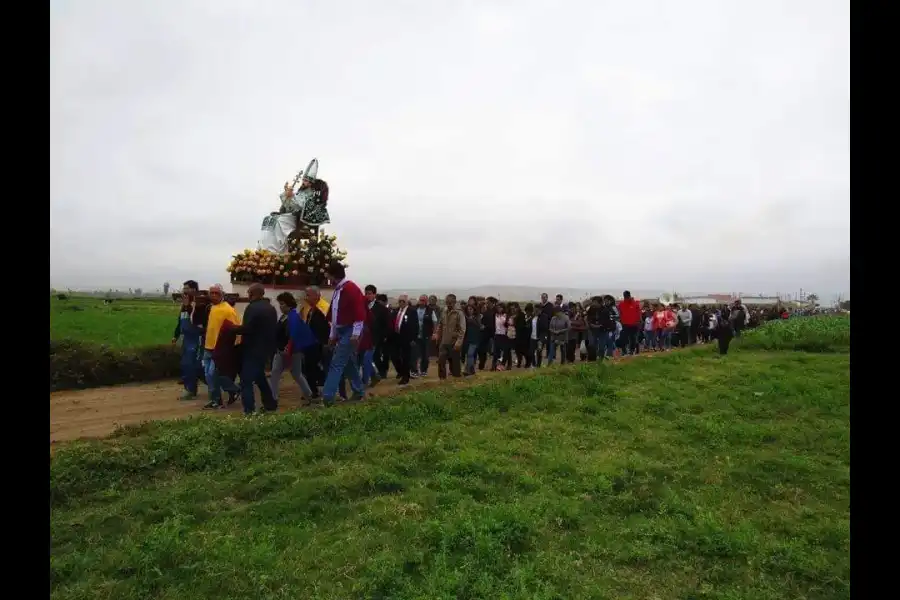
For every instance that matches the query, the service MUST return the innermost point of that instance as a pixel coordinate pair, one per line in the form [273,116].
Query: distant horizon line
[551,290]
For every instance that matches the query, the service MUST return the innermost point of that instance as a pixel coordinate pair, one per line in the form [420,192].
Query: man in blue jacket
[190,327]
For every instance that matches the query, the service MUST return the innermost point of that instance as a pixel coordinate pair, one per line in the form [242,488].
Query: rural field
[685,475]
[126,323]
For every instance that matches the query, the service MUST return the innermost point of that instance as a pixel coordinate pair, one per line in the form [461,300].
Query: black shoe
[404,381]
[212,405]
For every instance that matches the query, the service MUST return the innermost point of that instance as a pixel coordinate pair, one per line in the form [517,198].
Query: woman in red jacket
[664,322]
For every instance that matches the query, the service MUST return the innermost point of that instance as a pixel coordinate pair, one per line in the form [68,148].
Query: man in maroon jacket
[348,316]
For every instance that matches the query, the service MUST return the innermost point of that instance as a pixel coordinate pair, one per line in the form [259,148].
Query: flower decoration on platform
[303,264]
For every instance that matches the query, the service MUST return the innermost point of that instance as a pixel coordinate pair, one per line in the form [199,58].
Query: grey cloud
[572,146]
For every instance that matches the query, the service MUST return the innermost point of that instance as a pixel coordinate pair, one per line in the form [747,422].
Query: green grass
[678,476]
[122,324]
[825,333]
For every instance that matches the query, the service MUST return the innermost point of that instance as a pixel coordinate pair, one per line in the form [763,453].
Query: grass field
[122,324]
[686,475]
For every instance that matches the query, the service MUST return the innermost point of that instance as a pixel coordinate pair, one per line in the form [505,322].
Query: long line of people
[358,336]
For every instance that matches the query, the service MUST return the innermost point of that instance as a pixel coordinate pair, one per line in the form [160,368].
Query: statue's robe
[276,227]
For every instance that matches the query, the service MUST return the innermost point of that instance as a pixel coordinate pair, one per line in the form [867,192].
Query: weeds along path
[97,412]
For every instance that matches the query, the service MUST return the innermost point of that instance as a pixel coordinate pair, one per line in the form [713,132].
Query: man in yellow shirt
[219,312]
[314,298]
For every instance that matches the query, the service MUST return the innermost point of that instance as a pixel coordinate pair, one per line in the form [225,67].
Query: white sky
[701,145]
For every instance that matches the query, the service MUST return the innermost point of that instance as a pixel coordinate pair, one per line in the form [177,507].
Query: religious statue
[301,212]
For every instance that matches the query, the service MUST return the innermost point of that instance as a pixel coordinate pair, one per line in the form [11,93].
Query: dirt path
[98,412]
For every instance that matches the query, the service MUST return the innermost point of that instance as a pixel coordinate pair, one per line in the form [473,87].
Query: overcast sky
[694,145]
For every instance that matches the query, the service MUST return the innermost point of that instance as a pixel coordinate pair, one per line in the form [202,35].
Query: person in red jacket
[348,317]
[664,322]
[630,317]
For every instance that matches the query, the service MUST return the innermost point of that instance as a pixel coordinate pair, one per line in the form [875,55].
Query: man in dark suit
[381,327]
[404,334]
[488,328]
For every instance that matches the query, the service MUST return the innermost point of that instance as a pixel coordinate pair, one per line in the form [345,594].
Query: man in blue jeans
[259,342]
[348,316]
[191,321]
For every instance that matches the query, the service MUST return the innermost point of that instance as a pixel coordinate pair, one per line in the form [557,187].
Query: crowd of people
[357,337]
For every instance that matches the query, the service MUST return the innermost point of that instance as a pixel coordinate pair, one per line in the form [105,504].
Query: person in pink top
[664,322]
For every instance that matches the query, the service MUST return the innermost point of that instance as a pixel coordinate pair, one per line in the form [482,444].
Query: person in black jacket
[696,323]
[488,328]
[544,314]
[405,332]
[259,332]
[523,338]
[381,327]
[600,324]
[190,327]
[724,334]
[314,357]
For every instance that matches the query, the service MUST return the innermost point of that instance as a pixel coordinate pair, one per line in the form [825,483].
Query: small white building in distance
[700,300]
[713,299]
[760,300]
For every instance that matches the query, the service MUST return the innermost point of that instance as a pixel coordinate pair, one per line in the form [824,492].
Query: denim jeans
[189,348]
[471,352]
[420,362]
[280,364]
[611,344]
[253,371]
[343,364]
[597,343]
[551,351]
[650,339]
[664,339]
[368,365]
[327,354]
[536,349]
[209,369]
